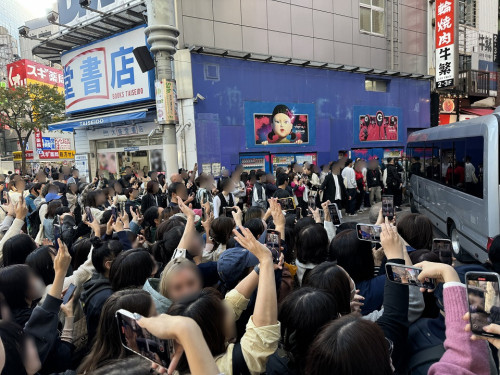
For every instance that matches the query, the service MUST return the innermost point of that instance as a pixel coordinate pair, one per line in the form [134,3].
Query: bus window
[459,164]
[446,159]
[473,166]
[435,171]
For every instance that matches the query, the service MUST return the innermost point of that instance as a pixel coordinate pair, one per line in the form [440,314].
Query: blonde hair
[173,267]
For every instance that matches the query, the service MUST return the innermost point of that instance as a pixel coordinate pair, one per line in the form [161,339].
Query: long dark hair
[130,269]
[207,310]
[416,230]
[42,264]
[14,341]
[349,345]
[17,248]
[281,108]
[107,345]
[14,285]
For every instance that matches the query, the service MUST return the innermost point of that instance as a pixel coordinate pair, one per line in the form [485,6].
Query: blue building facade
[331,111]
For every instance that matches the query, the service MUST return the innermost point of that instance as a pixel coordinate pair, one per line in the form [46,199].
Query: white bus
[456,184]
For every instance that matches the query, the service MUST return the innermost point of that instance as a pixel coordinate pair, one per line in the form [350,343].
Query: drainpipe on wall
[162,37]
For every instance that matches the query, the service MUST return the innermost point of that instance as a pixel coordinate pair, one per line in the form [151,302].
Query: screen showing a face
[409,276]
[273,243]
[334,215]
[142,342]
[484,303]
[287,204]
[369,232]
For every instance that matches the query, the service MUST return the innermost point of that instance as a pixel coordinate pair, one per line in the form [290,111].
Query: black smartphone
[287,204]
[88,212]
[69,293]
[442,247]
[334,214]
[388,206]
[311,202]
[228,211]
[368,232]
[483,296]
[114,212]
[141,342]
[56,232]
[298,213]
[273,243]
[407,275]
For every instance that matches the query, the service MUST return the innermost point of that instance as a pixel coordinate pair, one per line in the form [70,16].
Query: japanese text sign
[446,58]
[26,71]
[106,73]
[166,102]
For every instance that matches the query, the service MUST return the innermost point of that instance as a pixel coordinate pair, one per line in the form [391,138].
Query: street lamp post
[162,37]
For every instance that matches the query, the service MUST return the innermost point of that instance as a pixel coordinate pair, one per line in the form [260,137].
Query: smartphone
[484,301]
[334,214]
[368,232]
[114,212]
[407,275]
[6,196]
[88,212]
[69,293]
[57,232]
[273,243]
[228,211]
[311,202]
[388,206]
[298,213]
[442,247]
[287,204]
[141,342]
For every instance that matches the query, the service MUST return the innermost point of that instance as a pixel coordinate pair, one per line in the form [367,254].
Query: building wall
[220,118]
[318,30]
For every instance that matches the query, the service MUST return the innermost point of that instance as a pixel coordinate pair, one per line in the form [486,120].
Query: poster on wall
[376,124]
[156,158]
[278,124]
[107,161]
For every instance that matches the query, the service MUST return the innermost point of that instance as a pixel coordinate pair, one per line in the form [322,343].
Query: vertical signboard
[446,49]
[166,102]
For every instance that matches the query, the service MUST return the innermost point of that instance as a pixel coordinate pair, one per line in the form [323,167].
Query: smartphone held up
[483,297]
[407,275]
[388,206]
[273,243]
[368,232]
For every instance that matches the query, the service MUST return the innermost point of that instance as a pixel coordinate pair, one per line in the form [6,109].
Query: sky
[36,8]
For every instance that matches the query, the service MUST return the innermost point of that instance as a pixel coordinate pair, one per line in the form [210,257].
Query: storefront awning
[98,121]
[477,111]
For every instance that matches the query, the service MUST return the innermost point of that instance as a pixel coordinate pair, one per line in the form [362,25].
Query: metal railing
[474,83]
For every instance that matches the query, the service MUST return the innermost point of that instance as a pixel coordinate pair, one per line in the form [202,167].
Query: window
[101,145]
[372,16]
[378,85]
[467,10]
[464,62]
[457,163]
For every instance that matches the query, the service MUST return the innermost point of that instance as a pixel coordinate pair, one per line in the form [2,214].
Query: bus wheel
[413,207]
[455,243]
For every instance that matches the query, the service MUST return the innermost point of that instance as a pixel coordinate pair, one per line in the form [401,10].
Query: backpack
[34,222]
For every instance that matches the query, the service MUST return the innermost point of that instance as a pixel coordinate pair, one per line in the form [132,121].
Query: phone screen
[273,243]
[442,247]
[287,204]
[90,218]
[140,341]
[334,214]
[367,232]
[388,206]
[484,301]
[298,213]
[311,201]
[407,275]
[113,212]
[69,293]
[57,232]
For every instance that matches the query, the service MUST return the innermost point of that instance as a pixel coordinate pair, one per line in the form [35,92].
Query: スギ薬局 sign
[446,50]
[106,73]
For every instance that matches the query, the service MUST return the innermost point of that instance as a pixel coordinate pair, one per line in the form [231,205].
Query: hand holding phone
[443,248]
[141,342]
[228,211]
[273,243]
[408,275]
[483,297]
[368,232]
[88,212]
[388,206]
[334,214]
[69,293]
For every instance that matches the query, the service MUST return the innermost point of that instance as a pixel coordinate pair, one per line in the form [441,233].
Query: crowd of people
[187,255]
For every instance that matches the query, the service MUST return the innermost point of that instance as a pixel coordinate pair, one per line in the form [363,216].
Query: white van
[456,184]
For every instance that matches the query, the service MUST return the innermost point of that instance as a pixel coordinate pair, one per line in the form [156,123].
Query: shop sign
[38,140]
[22,72]
[66,154]
[486,43]
[17,155]
[48,143]
[105,73]
[446,50]
[62,143]
[166,102]
[48,154]
[131,149]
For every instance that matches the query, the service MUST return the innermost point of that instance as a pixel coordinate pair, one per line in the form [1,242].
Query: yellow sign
[66,154]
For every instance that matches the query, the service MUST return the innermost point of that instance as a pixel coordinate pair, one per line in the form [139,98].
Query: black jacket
[329,189]
[70,232]
[373,178]
[128,205]
[149,200]
[394,320]
[95,293]
[393,177]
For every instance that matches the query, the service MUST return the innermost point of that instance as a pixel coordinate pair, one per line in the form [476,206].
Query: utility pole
[162,36]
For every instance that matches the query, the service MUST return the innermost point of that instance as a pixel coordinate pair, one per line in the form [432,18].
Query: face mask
[39,287]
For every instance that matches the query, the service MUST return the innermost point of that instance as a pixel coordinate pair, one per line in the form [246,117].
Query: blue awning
[98,121]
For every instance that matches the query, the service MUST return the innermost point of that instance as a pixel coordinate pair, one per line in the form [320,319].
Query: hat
[233,263]
[51,196]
